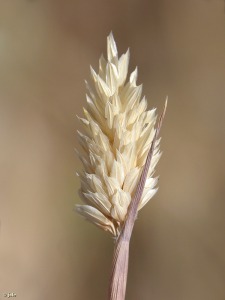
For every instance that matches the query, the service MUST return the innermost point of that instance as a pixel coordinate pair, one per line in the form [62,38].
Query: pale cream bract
[118,134]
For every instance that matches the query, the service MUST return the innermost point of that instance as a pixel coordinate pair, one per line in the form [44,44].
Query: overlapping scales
[118,134]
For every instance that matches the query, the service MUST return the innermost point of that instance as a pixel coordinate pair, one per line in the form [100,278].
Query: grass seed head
[118,132]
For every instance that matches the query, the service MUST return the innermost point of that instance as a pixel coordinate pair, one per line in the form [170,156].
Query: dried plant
[117,179]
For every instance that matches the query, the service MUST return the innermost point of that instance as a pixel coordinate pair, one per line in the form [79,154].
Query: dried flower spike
[120,152]
[118,134]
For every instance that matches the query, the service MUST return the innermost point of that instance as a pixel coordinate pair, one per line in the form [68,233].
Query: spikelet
[118,134]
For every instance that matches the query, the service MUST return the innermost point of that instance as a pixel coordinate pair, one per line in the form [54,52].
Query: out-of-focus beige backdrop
[178,245]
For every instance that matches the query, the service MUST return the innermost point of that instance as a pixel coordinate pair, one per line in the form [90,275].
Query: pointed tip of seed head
[110,37]
[111,47]
[111,34]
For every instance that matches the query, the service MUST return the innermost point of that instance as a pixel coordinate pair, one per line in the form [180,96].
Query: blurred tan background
[178,245]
